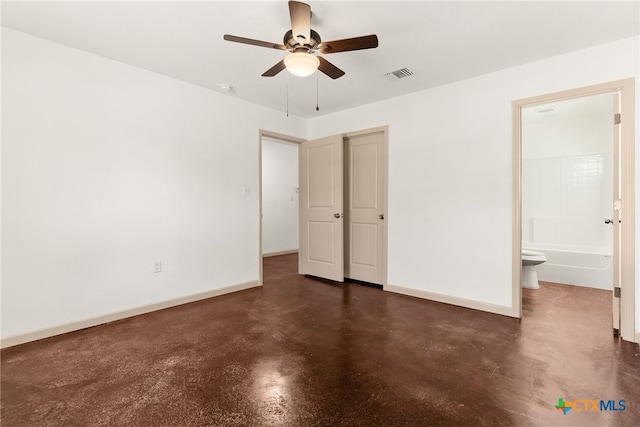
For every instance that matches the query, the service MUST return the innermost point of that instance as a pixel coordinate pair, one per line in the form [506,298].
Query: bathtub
[583,266]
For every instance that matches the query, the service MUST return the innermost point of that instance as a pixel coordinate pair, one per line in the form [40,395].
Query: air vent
[399,74]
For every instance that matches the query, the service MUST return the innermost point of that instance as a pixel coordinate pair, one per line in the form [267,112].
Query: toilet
[530,260]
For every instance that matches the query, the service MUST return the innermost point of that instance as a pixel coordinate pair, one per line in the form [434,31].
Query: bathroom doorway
[574,164]
[568,189]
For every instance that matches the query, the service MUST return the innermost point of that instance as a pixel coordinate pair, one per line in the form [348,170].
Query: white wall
[279,196]
[107,168]
[450,169]
[567,179]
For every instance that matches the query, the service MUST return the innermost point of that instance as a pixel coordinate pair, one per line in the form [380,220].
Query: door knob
[381,216]
[337,215]
[608,221]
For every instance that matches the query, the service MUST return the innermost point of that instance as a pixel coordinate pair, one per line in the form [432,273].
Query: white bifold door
[343,207]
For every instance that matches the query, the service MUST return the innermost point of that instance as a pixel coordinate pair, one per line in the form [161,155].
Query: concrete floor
[305,352]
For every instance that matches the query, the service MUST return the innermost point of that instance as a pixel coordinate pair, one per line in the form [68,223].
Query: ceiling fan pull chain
[287,97]
[317,107]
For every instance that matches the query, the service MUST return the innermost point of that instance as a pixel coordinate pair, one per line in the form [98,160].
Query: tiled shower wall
[565,201]
[567,176]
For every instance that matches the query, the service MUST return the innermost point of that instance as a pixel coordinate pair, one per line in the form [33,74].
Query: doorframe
[626,88]
[262,133]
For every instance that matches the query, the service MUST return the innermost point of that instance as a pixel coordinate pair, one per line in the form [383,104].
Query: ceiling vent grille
[399,74]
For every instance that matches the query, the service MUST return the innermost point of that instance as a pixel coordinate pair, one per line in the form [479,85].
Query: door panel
[365,201]
[321,197]
[321,174]
[364,174]
[322,242]
[364,238]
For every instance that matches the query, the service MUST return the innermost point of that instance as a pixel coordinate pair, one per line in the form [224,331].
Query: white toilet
[529,274]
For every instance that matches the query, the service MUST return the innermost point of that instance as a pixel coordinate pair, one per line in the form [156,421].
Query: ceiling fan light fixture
[301,64]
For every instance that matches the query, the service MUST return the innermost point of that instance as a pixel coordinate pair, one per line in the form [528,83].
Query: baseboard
[293,251]
[447,299]
[106,318]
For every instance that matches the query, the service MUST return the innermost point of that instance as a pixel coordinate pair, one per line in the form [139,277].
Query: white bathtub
[583,266]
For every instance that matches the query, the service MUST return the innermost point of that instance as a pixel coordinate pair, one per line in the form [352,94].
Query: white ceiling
[440,42]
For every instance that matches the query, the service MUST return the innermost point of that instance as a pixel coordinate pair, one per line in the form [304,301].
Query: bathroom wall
[279,196]
[567,175]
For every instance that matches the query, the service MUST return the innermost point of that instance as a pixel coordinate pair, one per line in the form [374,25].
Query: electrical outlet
[157,266]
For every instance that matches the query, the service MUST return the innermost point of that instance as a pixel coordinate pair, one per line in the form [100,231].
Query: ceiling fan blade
[253,42]
[300,14]
[274,70]
[329,69]
[356,43]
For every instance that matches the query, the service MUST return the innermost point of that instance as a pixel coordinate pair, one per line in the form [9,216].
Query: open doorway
[279,195]
[562,220]
[568,190]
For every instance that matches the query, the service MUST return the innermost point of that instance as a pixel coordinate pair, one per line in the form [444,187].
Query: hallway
[301,351]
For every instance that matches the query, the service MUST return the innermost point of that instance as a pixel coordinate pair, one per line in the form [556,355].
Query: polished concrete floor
[305,352]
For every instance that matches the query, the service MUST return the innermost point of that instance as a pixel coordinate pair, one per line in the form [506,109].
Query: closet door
[321,197]
[365,200]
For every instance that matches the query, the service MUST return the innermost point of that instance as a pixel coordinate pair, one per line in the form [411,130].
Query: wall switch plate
[157,266]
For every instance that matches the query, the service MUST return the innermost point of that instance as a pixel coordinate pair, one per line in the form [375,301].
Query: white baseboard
[106,318]
[462,302]
[293,251]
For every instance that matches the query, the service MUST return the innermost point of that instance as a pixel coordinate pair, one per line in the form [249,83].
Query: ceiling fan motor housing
[292,44]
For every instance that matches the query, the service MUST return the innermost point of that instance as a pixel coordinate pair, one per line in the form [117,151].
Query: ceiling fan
[303,42]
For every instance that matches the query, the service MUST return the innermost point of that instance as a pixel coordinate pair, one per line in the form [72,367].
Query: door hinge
[617,291]
[617,119]
[617,205]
